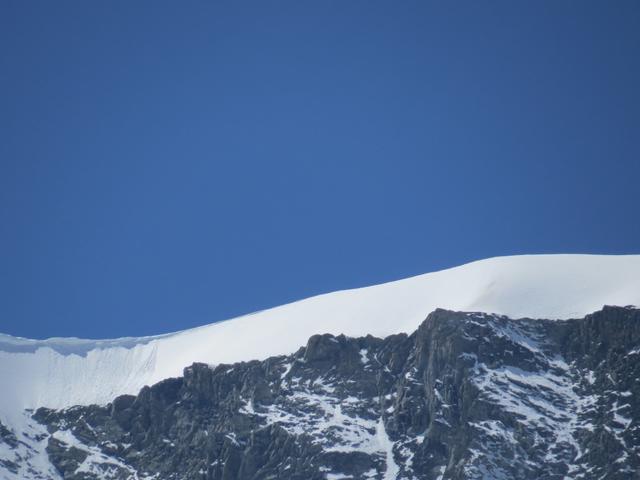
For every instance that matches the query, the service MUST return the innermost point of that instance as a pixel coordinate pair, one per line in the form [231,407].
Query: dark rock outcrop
[467,396]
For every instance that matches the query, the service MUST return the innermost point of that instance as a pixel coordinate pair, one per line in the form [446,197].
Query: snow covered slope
[61,372]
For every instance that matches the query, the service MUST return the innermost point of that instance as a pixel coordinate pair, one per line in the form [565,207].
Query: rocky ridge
[466,396]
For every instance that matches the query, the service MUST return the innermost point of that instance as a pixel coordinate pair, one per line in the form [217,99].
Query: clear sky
[167,164]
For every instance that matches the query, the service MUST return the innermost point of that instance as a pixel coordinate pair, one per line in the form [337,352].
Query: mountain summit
[59,373]
[378,392]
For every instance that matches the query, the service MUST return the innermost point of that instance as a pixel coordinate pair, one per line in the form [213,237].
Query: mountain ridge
[61,373]
[8,339]
[468,395]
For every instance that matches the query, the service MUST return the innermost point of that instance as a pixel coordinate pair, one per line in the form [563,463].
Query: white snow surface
[58,373]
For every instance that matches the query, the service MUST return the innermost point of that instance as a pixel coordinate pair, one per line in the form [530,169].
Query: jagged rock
[467,396]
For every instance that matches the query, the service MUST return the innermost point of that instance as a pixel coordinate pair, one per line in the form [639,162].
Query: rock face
[466,396]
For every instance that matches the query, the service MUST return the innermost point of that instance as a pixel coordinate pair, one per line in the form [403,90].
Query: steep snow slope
[62,372]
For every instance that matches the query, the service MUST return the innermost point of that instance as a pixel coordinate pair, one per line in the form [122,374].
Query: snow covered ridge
[467,396]
[57,373]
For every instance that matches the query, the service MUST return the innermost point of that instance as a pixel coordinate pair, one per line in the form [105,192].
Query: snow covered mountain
[465,396]
[60,373]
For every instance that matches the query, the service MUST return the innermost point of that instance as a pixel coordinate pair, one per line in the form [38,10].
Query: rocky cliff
[466,396]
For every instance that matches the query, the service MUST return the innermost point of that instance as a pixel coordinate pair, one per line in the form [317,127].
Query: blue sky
[168,164]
